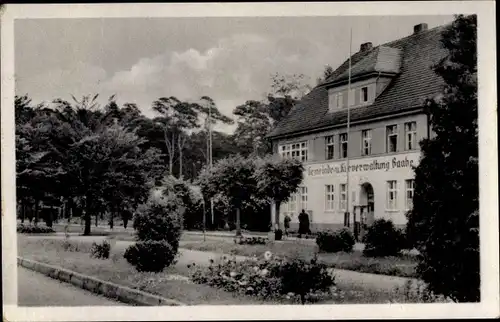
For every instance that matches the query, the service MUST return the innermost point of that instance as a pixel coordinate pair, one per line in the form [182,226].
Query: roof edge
[409,111]
[357,77]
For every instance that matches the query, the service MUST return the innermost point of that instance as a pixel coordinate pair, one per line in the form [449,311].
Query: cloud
[233,70]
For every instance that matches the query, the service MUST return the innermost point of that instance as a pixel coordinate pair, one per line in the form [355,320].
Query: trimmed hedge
[383,239]
[335,241]
[33,229]
[150,255]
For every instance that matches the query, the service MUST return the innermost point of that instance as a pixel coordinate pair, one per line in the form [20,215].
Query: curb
[110,290]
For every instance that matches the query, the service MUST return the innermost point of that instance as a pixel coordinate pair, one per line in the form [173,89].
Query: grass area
[117,270]
[403,266]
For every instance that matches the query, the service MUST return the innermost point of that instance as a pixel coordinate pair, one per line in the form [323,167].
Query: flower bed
[34,229]
[251,241]
[270,277]
[403,266]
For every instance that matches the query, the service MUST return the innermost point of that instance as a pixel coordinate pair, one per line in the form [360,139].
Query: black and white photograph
[249,161]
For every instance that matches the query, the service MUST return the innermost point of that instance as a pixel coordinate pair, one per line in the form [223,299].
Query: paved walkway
[35,289]
[346,278]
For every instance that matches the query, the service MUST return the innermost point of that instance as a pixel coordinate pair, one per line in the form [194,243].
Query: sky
[229,59]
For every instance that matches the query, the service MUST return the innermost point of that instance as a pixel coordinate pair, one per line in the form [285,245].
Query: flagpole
[210,155]
[348,192]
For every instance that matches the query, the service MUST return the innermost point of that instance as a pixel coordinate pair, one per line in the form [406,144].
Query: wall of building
[375,169]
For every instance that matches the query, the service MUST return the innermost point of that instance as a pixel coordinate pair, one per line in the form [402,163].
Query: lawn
[403,265]
[117,270]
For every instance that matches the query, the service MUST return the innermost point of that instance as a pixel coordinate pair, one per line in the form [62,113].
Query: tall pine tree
[444,222]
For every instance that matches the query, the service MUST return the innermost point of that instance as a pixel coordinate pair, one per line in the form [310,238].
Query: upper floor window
[392,138]
[339,97]
[329,144]
[410,136]
[294,150]
[350,98]
[343,140]
[366,136]
[364,94]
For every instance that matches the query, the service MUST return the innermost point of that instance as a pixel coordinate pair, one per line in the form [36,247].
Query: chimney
[419,28]
[365,47]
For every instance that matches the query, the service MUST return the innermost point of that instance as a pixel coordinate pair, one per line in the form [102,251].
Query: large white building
[389,85]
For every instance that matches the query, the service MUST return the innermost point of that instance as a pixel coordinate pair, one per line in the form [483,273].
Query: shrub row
[335,241]
[251,241]
[269,277]
[34,229]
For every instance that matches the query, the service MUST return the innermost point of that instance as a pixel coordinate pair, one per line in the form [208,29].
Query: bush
[419,292]
[383,239]
[268,277]
[150,255]
[100,250]
[251,241]
[34,229]
[159,219]
[335,241]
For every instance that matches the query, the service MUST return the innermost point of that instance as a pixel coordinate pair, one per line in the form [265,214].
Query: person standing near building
[303,223]
[287,221]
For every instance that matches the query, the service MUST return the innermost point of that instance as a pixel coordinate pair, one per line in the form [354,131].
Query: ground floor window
[410,189]
[329,197]
[303,198]
[392,194]
[343,197]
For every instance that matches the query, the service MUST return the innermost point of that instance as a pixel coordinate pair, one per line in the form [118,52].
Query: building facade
[358,174]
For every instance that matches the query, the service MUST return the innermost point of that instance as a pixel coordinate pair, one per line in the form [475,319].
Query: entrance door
[367,190]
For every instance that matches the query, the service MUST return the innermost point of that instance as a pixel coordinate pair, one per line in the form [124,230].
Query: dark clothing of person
[303,224]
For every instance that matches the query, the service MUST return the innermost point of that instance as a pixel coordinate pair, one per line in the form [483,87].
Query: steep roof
[381,59]
[412,56]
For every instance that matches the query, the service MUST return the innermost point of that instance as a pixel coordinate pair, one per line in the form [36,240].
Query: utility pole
[210,155]
[348,191]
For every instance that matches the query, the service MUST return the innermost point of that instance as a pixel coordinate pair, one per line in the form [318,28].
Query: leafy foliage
[383,239]
[251,241]
[100,250]
[268,277]
[150,255]
[335,241]
[32,229]
[444,222]
[160,219]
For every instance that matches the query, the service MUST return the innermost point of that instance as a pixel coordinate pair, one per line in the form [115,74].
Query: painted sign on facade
[363,165]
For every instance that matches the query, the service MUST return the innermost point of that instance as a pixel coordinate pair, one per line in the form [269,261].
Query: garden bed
[117,270]
[403,266]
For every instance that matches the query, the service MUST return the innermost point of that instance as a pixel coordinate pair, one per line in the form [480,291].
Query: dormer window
[364,94]
[340,99]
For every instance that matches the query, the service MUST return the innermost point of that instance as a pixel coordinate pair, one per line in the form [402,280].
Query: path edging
[110,290]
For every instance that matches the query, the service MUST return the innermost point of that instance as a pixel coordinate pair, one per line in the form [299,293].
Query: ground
[35,289]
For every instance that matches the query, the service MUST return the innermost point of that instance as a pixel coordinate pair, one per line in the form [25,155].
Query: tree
[257,118]
[232,177]
[277,179]
[444,222]
[326,74]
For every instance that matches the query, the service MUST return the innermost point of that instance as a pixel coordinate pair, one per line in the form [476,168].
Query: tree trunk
[49,217]
[96,219]
[238,223]
[111,222]
[23,211]
[171,155]
[277,215]
[303,299]
[180,144]
[88,223]
[36,211]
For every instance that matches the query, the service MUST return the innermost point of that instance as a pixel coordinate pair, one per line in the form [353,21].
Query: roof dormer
[371,72]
